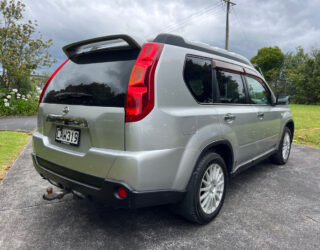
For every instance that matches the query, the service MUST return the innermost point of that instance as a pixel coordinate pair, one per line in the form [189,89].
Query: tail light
[140,95]
[49,80]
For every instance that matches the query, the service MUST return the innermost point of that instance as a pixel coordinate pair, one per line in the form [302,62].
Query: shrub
[26,85]
[14,103]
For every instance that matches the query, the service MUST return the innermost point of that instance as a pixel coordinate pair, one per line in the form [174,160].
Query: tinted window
[95,84]
[198,77]
[257,92]
[231,87]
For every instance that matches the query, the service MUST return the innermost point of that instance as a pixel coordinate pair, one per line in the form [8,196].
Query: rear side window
[95,84]
[198,77]
[231,87]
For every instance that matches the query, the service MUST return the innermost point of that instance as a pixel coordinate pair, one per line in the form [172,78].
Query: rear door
[91,97]
[82,111]
[236,115]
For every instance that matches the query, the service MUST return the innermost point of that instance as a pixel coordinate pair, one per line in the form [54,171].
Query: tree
[296,73]
[304,75]
[22,50]
[290,64]
[270,61]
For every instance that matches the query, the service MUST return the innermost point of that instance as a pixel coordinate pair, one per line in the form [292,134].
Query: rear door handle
[260,115]
[229,118]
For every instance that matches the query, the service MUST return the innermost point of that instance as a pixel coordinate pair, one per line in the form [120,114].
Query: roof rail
[181,42]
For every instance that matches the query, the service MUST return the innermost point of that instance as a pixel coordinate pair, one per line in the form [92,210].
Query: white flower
[18,97]
[8,96]
[5,100]
[6,104]
[38,88]
[15,90]
[28,96]
[37,97]
[24,99]
[18,94]
[23,96]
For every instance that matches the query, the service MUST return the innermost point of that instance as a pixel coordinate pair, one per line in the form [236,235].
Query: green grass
[11,145]
[307,124]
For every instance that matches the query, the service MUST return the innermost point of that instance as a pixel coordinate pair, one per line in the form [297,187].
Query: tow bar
[50,195]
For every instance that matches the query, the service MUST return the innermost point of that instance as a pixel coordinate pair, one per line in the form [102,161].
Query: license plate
[68,136]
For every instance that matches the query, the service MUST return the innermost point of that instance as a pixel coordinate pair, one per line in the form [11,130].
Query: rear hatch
[81,116]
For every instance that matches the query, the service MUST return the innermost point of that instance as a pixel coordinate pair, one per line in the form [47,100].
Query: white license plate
[68,136]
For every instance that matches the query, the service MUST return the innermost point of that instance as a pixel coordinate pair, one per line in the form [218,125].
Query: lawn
[307,124]
[11,145]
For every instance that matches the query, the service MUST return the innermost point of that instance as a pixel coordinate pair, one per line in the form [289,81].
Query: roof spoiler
[110,48]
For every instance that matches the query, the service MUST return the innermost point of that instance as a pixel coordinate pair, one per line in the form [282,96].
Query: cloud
[253,24]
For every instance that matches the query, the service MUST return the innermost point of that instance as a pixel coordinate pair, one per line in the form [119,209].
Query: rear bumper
[100,189]
[142,170]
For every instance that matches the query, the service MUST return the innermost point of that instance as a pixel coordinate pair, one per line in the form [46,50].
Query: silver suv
[134,123]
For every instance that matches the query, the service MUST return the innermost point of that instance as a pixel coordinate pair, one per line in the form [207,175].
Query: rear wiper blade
[72,95]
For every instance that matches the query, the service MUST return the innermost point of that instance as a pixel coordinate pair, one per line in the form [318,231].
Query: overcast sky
[253,23]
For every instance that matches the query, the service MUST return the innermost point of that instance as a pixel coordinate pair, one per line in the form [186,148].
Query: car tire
[206,190]
[283,153]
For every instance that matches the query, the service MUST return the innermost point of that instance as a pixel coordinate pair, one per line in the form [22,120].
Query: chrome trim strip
[68,121]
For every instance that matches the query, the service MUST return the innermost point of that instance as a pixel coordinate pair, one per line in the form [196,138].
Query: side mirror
[283,100]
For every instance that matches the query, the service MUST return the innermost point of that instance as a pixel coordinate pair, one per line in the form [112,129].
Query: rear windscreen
[94,84]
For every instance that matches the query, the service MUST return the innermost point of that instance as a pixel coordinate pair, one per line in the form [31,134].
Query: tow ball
[50,195]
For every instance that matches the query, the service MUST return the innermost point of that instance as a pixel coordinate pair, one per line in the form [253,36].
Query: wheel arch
[224,149]
[290,124]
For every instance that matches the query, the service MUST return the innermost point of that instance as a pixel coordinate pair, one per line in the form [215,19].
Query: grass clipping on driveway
[11,145]
[307,124]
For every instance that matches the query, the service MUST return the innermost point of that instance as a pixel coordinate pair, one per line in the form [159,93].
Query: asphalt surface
[267,207]
[22,123]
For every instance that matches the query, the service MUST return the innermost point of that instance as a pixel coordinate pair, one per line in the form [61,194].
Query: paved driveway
[267,207]
[23,123]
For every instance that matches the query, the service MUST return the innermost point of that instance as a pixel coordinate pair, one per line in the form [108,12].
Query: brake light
[140,95]
[49,80]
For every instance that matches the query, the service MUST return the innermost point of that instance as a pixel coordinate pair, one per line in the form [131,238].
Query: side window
[198,77]
[258,94]
[231,87]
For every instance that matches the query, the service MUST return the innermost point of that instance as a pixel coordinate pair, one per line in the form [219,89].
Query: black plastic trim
[245,85]
[252,163]
[214,144]
[70,173]
[179,41]
[286,125]
[103,190]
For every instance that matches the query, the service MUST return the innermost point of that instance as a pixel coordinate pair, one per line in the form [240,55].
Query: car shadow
[161,217]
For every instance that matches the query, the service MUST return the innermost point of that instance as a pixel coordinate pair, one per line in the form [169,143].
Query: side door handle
[260,115]
[229,118]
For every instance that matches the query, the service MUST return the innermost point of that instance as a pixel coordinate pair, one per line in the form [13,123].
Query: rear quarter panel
[176,122]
